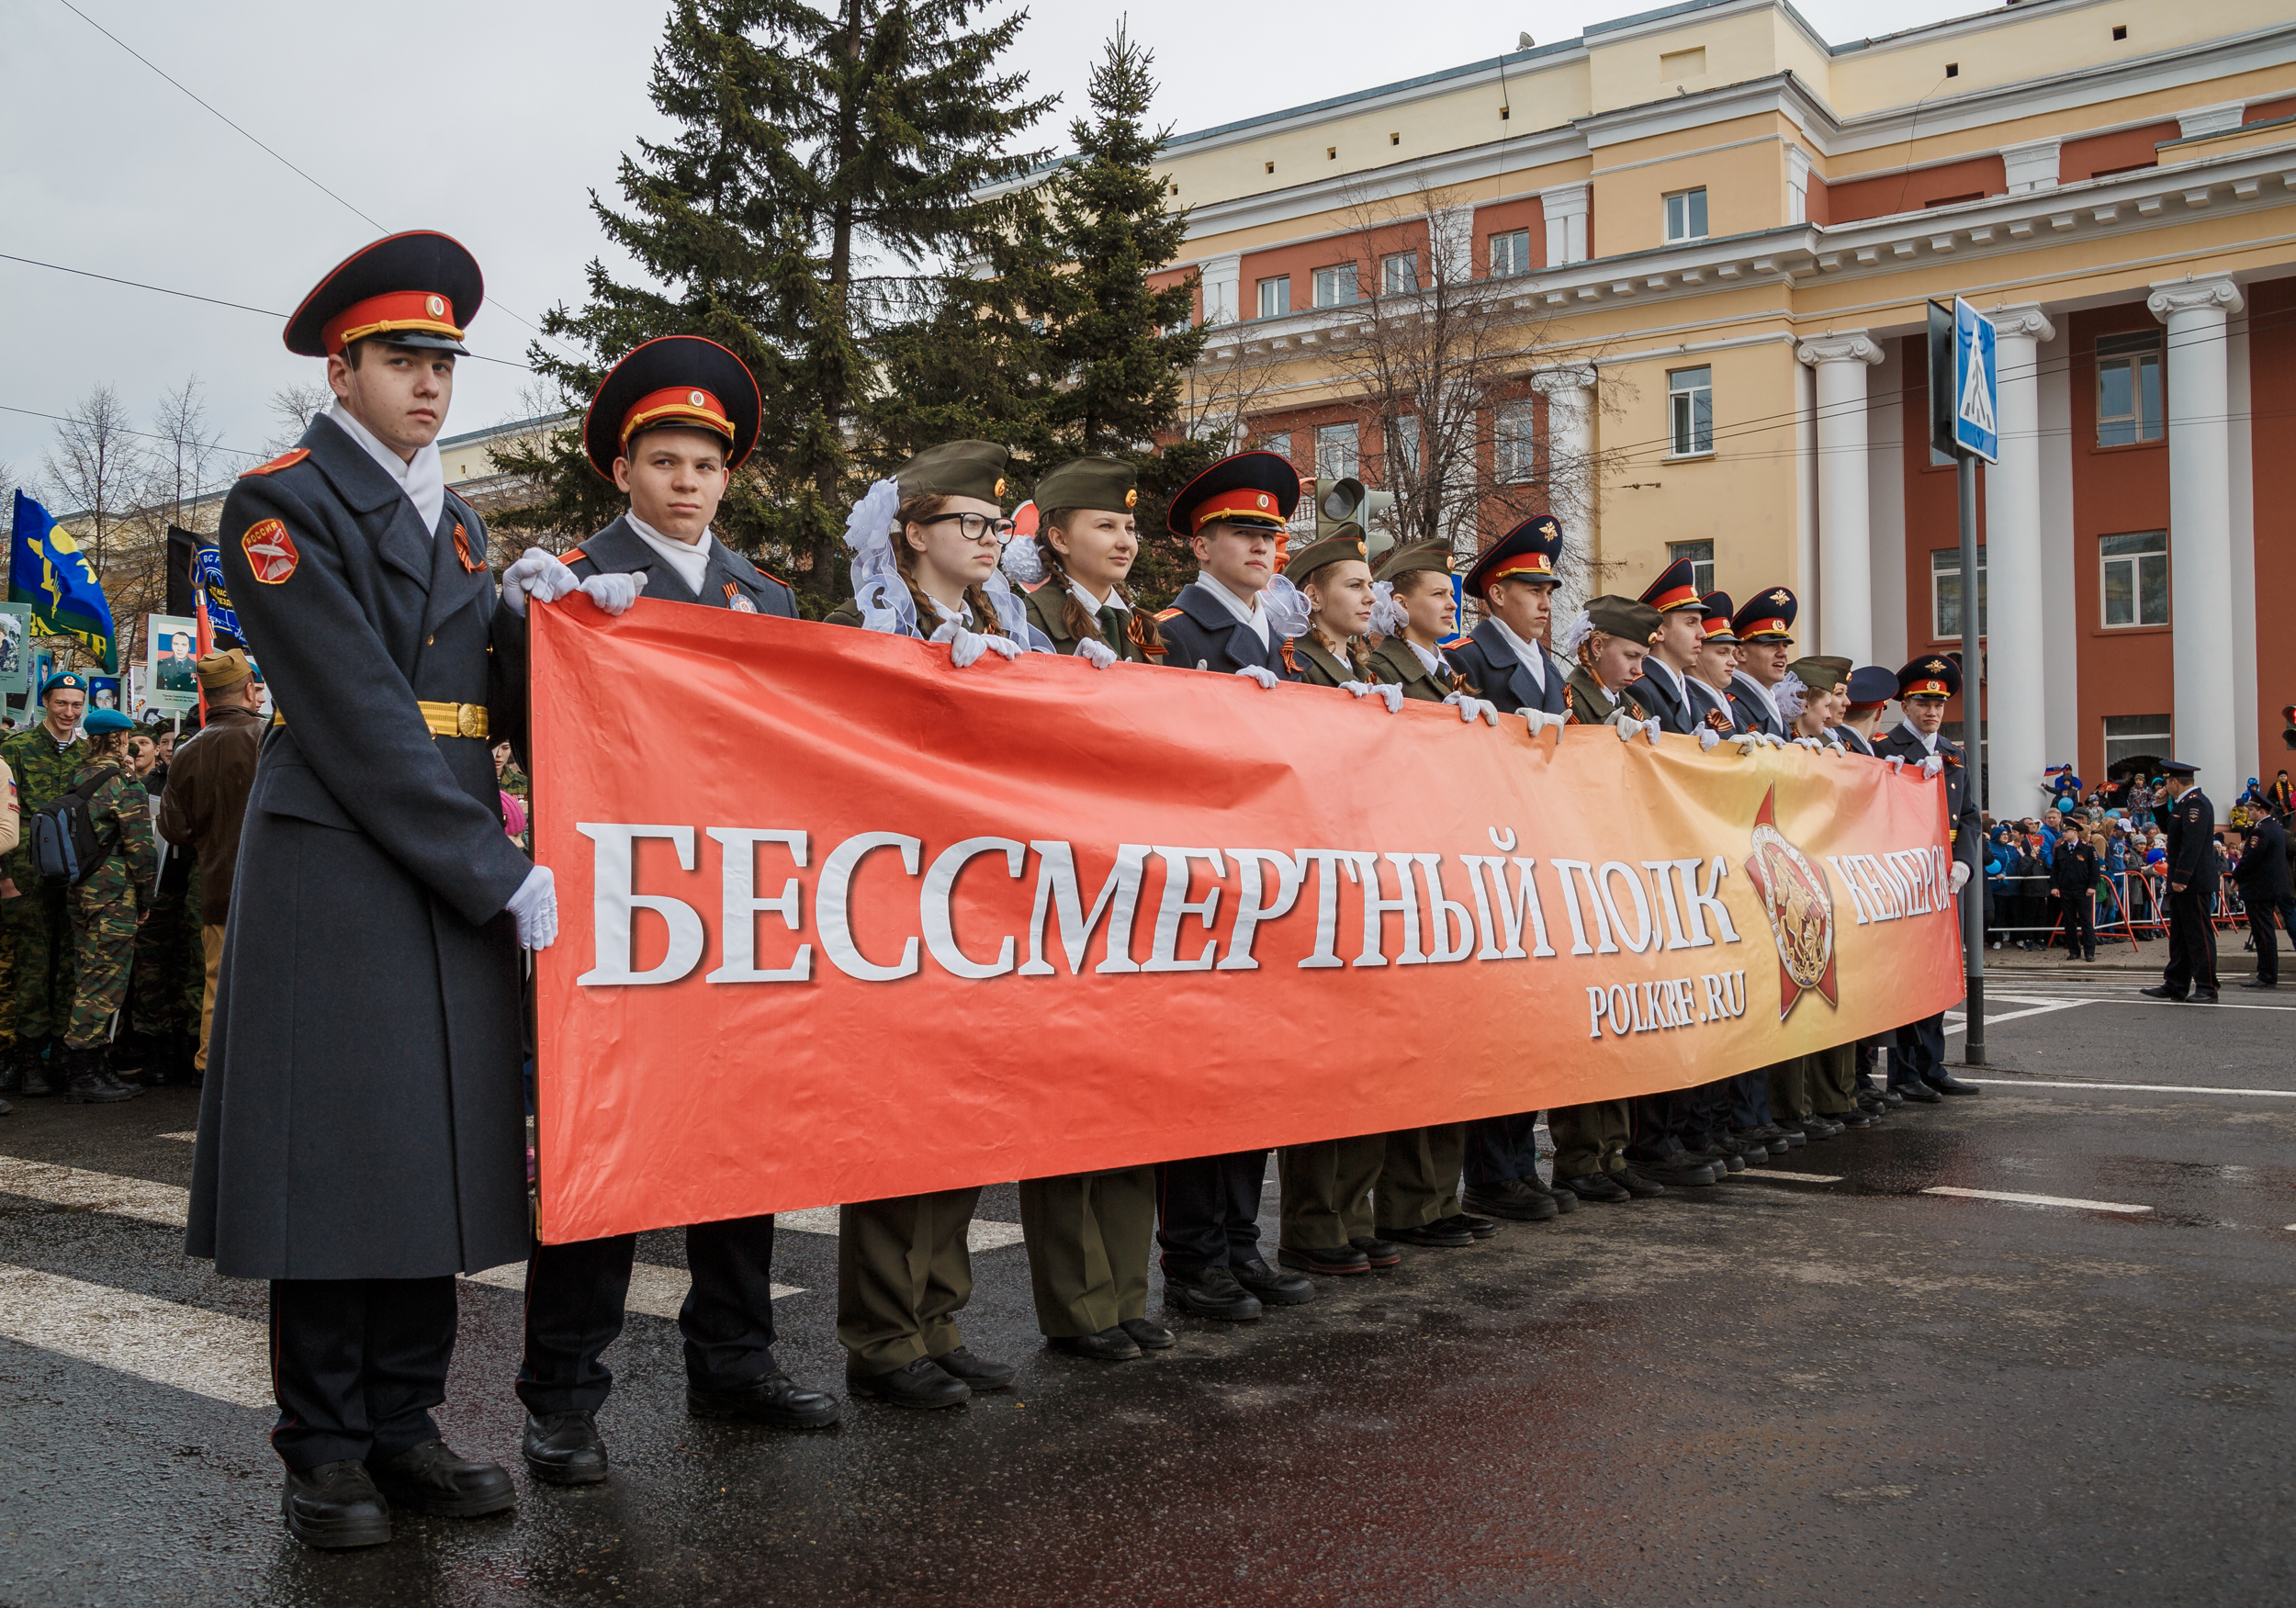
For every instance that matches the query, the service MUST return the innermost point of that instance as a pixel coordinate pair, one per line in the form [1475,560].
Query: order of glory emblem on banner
[1801,911]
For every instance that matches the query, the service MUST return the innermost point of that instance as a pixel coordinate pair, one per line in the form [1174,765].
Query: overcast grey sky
[491,120]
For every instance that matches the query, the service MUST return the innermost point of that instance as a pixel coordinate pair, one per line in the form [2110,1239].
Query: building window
[1275,441]
[1335,286]
[1516,448]
[2128,388]
[1509,253]
[1701,556]
[1398,274]
[2136,578]
[1690,411]
[1276,296]
[2129,736]
[1336,455]
[1945,594]
[1686,215]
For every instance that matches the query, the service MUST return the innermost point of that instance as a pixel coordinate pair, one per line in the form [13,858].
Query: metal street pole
[1972,744]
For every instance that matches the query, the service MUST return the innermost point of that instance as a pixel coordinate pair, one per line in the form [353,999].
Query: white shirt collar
[1927,740]
[1252,614]
[423,479]
[690,560]
[1682,689]
[1534,657]
[1438,666]
[1761,692]
[1115,599]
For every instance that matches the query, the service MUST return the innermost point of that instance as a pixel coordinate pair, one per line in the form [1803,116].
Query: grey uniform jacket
[1752,710]
[729,582]
[1200,629]
[363,1114]
[1712,708]
[1493,668]
[1961,809]
[1654,694]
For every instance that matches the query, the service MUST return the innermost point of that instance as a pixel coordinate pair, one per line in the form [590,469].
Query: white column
[2199,527]
[1566,210]
[2016,660]
[1570,394]
[1845,560]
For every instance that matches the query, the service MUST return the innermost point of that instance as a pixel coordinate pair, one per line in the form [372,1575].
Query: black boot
[88,1082]
[35,1077]
[11,1070]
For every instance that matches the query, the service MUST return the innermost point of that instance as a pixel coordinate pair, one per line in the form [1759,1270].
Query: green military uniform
[37,920]
[1088,1234]
[169,976]
[108,903]
[1320,667]
[1591,705]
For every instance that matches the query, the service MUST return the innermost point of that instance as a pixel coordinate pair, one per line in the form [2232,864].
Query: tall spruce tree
[1056,342]
[826,159]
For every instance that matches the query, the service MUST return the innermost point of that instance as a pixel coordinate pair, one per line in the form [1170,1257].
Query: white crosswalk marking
[2033,1199]
[653,1288]
[981,1234]
[189,1348]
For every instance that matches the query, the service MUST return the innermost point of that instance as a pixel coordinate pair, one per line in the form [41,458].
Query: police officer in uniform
[669,424]
[1505,660]
[2189,820]
[362,1130]
[1917,1060]
[1207,1207]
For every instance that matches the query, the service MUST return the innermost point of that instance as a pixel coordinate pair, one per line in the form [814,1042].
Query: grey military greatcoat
[363,1114]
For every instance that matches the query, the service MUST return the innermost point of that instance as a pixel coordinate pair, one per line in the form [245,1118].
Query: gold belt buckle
[470,720]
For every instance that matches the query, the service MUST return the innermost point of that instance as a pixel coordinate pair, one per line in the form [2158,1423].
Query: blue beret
[100,721]
[70,679]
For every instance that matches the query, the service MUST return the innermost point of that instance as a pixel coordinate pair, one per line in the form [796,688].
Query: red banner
[839,921]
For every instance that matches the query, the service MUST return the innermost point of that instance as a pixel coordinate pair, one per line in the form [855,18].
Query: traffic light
[1337,501]
[2287,723]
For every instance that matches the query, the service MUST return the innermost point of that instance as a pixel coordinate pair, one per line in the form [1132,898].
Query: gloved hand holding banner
[847,924]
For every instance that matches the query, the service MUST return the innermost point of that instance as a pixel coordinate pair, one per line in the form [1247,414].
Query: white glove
[536,574]
[1961,875]
[1650,728]
[535,905]
[1540,720]
[1095,653]
[1469,707]
[1812,744]
[1387,693]
[965,647]
[1897,762]
[613,593]
[1708,740]
[1840,749]
[1266,677]
[1931,765]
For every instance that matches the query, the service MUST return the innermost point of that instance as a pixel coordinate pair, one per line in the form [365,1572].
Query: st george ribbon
[842,922]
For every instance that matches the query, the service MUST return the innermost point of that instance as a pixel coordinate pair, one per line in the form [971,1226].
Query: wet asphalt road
[1771,1391]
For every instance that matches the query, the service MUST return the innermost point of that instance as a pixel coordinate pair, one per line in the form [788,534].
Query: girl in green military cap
[1608,641]
[925,548]
[1076,565]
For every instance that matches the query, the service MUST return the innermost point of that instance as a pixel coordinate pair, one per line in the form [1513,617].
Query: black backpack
[65,850]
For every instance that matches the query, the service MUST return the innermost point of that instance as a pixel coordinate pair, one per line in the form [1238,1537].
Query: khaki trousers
[1419,1175]
[1087,1237]
[1830,1079]
[903,1273]
[1590,1139]
[211,944]
[1327,1191]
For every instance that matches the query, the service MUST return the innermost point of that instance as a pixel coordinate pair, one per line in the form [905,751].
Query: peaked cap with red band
[420,288]
[1719,612]
[1934,675]
[680,380]
[1253,489]
[1674,588]
[1768,616]
[1528,551]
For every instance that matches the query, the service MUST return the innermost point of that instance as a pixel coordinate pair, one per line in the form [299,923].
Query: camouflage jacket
[43,773]
[120,813]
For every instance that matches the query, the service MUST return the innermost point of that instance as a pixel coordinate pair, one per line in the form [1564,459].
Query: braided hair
[1076,620]
[916,511]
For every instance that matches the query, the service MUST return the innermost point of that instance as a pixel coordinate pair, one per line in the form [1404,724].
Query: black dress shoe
[977,1372]
[1274,1288]
[1335,1262]
[430,1478]
[1855,1117]
[2201,997]
[1109,1345]
[1640,1184]
[335,1504]
[1945,1083]
[1511,1198]
[1212,1293]
[1893,1096]
[2162,991]
[1566,1201]
[1597,1187]
[1378,1253]
[916,1383]
[1434,1236]
[776,1401]
[1681,1168]
[2259,983]
[564,1449]
[1920,1094]
[1480,1228]
[1149,1336]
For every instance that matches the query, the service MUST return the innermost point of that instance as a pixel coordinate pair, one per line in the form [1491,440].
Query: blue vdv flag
[208,575]
[47,569]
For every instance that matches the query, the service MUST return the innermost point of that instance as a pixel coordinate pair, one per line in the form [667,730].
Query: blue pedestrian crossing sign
[1976,385]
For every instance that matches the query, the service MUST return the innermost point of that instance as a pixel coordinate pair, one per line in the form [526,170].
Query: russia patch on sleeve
[271,552]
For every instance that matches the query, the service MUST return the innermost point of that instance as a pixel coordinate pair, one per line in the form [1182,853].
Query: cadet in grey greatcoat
[362,1130]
